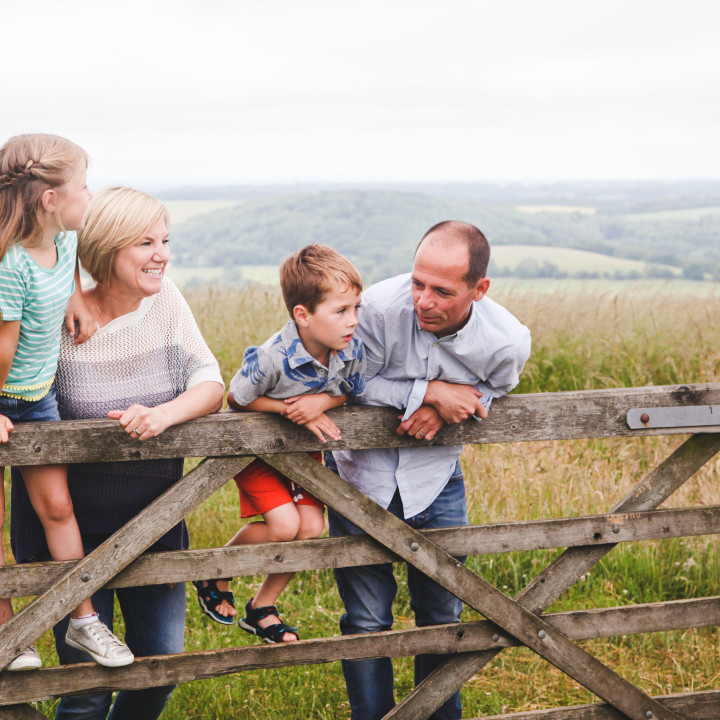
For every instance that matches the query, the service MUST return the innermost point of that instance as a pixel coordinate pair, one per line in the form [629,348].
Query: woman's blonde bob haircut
[117,217]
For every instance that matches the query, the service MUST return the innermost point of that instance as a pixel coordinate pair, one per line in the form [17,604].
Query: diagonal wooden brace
[20,712]
[429,558]
[118,551]
[560,575]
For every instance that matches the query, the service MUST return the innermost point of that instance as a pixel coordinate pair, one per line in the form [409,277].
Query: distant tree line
[379,229]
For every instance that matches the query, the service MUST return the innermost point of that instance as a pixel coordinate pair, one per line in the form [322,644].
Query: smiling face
[441,296]
[331,325]
[138,269]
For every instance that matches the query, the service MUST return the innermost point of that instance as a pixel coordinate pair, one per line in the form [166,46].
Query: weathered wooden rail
[231,441]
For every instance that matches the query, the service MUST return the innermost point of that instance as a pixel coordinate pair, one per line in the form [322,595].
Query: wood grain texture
[561,574]
[179,566]
[698,706]
[118,551]
[515,418]
[20,712]
[430,559]
[47,683]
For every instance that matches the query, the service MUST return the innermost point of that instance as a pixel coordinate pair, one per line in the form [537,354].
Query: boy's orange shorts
[263,488]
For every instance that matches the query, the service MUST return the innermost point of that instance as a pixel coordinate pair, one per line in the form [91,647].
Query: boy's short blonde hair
[312,272]
[117,217]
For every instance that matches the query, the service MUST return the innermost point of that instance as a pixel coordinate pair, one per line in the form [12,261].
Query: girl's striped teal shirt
[37,297]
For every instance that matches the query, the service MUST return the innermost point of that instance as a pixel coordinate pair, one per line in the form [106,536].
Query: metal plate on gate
[673,417]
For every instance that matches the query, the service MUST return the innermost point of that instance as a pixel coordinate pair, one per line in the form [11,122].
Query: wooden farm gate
[230,441]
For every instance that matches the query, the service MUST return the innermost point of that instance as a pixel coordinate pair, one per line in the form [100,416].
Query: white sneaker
[28,659]
[102,645]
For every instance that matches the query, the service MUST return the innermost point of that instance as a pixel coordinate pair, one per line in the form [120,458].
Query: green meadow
[583,338]
[570,260]
[181,210]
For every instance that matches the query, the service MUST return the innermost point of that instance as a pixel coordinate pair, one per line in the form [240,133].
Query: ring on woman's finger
[137,432]
[421,433]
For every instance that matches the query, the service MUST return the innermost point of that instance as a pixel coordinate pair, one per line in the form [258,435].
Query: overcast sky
[215,91]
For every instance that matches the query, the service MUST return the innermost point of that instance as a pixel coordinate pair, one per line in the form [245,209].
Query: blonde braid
[29,164]
[13,177]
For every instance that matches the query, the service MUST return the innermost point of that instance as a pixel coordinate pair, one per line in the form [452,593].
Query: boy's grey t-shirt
[281,368]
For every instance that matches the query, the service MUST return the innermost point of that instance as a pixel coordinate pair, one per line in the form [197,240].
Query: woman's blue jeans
[154,625]
[368,592]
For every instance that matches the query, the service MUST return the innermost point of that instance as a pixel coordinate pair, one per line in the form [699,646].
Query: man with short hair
[440,351]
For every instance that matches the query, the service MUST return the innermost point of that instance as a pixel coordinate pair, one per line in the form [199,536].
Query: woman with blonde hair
[148,367]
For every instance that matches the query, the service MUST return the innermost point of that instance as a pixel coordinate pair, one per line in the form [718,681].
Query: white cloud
[190,91]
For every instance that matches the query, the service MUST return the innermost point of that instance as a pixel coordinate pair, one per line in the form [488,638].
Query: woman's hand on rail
[6,427]
[141,422]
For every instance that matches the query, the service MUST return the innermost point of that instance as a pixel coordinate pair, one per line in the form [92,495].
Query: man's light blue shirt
[489,352]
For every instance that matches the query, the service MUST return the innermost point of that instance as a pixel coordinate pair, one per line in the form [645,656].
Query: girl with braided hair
[43,201]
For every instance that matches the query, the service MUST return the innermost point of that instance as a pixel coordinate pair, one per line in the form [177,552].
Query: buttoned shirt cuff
[487,397]
[416,397]
[390,393]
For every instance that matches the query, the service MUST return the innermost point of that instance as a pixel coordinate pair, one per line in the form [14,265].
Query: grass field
[684,214]
[266,275]
[181,210]
[247,274]
[581,340]
[569,260]
[533,209]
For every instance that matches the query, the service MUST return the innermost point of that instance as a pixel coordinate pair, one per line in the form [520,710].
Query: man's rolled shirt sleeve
[506,374]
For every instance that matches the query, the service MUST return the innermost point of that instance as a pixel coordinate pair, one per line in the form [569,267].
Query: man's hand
[453,402]
[423,423]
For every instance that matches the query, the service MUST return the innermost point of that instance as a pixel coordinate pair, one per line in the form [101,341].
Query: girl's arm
[9,336]
[203,398]
[78,313]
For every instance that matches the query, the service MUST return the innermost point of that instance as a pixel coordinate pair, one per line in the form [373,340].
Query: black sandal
[209,597]
[271,633]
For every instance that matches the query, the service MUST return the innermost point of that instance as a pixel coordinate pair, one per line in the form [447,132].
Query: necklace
[97,307]
[102,322]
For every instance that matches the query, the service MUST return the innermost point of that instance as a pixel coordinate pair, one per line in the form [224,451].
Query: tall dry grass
[580,341]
